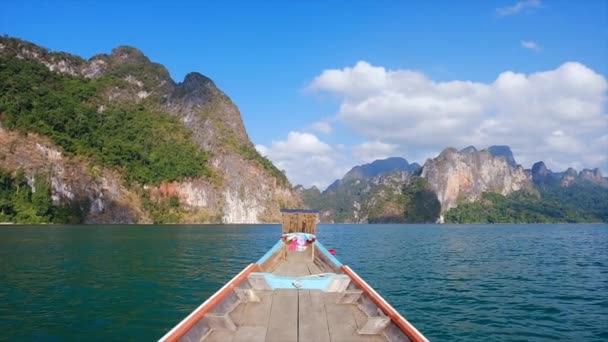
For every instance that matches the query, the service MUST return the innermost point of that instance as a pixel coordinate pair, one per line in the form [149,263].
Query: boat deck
[298,264]
[296,315]
[293,296]
[286,315]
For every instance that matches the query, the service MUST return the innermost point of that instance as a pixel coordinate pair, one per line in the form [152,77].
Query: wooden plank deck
[298,264]
[283,324]
[312,317]
[296,315]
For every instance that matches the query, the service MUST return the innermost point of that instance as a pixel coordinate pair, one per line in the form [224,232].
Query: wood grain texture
[312,317]
[283,323]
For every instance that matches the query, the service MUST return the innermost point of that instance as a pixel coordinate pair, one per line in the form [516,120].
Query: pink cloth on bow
[293,245]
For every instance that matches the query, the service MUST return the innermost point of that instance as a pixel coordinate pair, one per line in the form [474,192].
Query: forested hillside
[118,141]
[149,146]
[575,203]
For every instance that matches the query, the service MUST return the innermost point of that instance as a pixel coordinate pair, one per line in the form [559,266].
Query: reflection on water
[499,283]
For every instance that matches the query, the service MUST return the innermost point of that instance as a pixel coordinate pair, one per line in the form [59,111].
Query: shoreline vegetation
[577,203]
[26,201]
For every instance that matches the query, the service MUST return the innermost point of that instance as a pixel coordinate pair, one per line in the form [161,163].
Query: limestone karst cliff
[230,183]
[463,176]
[371,192]
[463,186]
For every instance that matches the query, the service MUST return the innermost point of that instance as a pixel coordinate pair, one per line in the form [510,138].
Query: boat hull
[288,295]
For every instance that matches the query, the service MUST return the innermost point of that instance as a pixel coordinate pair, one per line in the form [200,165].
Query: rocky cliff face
[569,177]
[246,188]
[453,176]
[100,194]
[249,192]
[382,202]
[504,152]
[463,176]
[594,176]
[469,149]
[379,167]
[543,177]
[367,192]
[457,179]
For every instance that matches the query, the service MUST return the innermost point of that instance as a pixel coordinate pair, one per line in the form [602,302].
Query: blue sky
[267,55]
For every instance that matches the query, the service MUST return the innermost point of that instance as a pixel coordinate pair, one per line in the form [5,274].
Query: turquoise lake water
[454,283]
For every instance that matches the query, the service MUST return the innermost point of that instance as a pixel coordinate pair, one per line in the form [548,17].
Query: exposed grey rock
[593,176]
[503,151]
[541,175]
[568,177]
[469,149]
[246,192]
[379,167]
[456,176]
[99,193]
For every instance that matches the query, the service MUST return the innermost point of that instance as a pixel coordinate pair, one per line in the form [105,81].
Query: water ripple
[456,283]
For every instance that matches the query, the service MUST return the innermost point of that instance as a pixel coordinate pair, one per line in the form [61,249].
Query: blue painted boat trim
[268,254]
[319,246]
[320,282]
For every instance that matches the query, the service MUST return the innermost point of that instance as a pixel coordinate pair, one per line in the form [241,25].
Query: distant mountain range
[376,168]
[113,139]
[467,185]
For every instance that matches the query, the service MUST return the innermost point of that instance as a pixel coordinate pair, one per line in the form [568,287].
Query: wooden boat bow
[295,293]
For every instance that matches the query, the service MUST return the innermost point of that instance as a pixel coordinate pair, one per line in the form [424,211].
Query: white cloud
[518,7]
[567,144]
[530,45]
[322,127]
[309,161]
[358,80]
[373,150]
[557,115]
[306,159]
[299,143]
